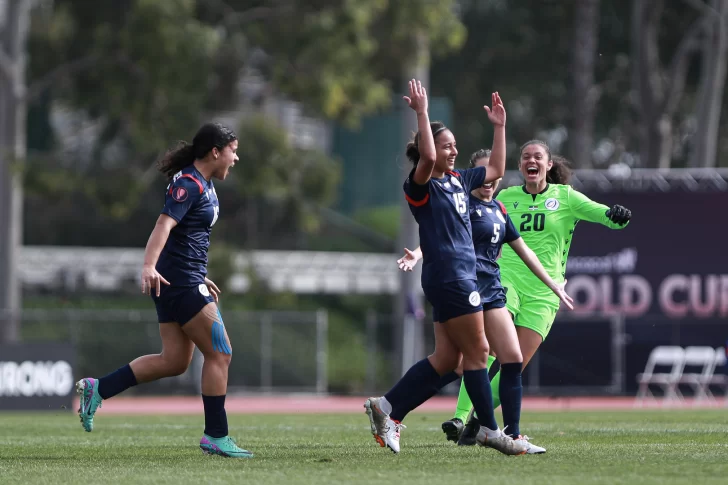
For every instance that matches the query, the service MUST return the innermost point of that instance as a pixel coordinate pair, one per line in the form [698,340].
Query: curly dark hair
[560,172]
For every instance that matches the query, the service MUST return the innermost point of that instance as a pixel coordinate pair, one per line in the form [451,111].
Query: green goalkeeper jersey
[546,222]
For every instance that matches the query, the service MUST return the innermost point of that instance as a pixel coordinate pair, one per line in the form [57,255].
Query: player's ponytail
[560,172]
[183,155]
[209,136]
[413,148]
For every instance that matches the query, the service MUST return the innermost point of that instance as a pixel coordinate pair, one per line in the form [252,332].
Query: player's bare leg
[174,359]
[207,331]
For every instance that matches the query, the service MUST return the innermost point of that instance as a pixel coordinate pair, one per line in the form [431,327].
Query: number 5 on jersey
[460,204]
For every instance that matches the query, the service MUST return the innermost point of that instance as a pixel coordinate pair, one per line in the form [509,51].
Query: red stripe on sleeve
[186,175]
[417,203]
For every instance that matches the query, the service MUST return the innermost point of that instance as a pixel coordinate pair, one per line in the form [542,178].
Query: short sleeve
[417,195]
[181,195]
[472,178]
[511,232]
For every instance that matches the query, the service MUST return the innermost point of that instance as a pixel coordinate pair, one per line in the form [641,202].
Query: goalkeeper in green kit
[545,211]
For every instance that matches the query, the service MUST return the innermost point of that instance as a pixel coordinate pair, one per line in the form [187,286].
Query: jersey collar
[534,195]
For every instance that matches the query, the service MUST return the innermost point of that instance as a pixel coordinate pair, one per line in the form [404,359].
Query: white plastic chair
[705,358]
[721,378]
[665,355]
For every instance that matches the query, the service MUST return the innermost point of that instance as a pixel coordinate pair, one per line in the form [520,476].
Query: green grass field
[636,447]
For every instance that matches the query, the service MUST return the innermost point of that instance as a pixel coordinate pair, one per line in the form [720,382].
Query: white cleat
[385,429]
[531,449]
[501,442]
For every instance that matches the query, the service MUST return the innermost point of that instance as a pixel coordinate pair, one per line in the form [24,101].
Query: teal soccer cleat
[88,390]
[224,446]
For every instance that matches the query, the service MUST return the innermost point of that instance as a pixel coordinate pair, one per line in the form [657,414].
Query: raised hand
[417,99]
[497,113]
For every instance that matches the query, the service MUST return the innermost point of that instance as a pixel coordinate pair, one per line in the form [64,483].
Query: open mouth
[532,170]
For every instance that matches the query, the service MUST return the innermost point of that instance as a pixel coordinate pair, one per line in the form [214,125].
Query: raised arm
[496,167]
[417,100]
[586,209]
[532,262]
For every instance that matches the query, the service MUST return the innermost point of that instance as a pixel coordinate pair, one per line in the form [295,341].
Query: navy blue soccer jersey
[441,208]
[492,227]
[192,202]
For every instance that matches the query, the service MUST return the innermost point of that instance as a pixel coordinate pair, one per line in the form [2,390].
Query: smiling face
[225,160]
[486,191]
[535,162]
[445,151]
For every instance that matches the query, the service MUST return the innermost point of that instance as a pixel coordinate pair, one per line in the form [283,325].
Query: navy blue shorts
[180,304]
[453,300]
[492,294]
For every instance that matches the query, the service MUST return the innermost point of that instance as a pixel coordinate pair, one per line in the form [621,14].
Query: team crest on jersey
[456,182]
[551,204]
[180,194]
[500,216]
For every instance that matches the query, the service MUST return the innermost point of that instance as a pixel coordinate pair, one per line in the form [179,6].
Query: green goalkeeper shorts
[535,312]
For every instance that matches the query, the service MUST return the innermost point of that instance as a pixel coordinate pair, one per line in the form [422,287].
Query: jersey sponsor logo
[474,298]
[180,194]
[488,210]
[479,212]
[500,216]
[203,289]
[515,204]
[552,204]
[533,207]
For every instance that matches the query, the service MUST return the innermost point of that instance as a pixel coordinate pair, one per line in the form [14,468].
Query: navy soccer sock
[216,425]
[415,385]
[118,381]
[511,394]
[417,398]
[478,386]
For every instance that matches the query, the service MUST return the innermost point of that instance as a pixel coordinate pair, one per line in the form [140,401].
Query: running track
[289,404]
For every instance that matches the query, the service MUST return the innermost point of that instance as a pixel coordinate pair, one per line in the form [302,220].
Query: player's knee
[444,361]
[178,367]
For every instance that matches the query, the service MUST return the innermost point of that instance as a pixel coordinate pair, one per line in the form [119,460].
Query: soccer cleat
[385,429]
[224,446]
[501,442]
[531,449]
[453,428]
[470,432]
[90,401]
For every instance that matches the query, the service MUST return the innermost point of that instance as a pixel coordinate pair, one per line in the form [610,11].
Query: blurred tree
[714,63]
[585,93]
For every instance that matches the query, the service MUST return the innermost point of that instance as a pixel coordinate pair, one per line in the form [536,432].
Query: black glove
[619,215]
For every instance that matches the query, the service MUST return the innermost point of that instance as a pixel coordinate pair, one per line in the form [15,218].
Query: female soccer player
[546,211]
[492,227]
[175,275]
[438,199]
